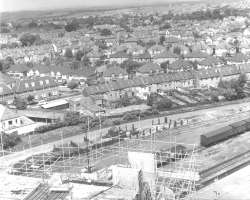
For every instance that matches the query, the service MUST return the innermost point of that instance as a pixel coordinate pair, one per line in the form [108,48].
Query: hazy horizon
[26,5]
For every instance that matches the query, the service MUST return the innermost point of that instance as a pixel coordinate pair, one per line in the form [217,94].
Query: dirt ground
[16,187]
[233,187]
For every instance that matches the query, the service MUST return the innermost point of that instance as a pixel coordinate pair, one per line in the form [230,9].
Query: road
[197,119]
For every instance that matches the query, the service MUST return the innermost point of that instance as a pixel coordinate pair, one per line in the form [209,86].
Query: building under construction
[121,167]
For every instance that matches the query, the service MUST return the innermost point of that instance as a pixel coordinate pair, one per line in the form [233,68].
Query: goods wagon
[239,127]
[224,133]
[216,136]
[247,123]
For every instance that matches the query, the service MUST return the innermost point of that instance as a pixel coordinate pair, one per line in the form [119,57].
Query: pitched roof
[120,54]
[180,64]
[21,68]
[149,67]
[5,89]
[31,84]
[196,54]
[6,113]
[172,40]
[238,57]
[157,48]
[166,54]
[4,78]
[145,55]
[116,70]
[210,61]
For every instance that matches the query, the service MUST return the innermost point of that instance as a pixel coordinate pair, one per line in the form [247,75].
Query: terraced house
[141,86]
[37,86]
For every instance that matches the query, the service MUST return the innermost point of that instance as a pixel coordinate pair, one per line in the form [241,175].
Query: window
[26,85]
[47,81]
[33,84]
[41,83]
[10,122]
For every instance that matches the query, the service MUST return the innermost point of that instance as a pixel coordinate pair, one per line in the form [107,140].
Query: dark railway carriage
[247,123]
[239,127]
[216,136]
[224,133]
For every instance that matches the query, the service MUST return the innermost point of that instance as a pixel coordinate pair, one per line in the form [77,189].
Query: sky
[18,5]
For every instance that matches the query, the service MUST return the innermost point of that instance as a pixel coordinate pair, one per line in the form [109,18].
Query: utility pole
[86,139]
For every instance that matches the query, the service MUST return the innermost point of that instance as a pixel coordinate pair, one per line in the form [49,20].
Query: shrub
[129,117]
[20,103]
[72,85]
[117,121]
[10,140]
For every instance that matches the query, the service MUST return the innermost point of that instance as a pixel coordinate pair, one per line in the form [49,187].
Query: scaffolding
[175,164]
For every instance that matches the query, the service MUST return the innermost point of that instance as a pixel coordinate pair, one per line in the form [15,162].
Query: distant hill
[183,6]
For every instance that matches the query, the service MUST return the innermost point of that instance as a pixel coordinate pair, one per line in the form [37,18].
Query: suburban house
[18,70]
[37,86]
[207,78]
[210,62]
[238,58]
[12,122]
[196,56]
[145,57]
[86,106]
[149,69]
[156,49]
[165,56]
[63,73]
[118,57]
[94,56]
[114,72]
[180,65]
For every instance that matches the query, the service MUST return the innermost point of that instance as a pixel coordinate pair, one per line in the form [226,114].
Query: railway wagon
[239,127]
[216,136]
[247,123]
[224,133]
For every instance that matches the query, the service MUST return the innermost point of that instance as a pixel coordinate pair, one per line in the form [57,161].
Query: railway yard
[219,160]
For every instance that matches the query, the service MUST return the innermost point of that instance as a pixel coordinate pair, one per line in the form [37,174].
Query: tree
[72,118]
[162,39]
[4,30]
[30,98]
[86,61]
[105,32]
[125,100]
[72,26]
[72,85]
[9,60]
[20,103]
[68,53]
[79,55]
[242,80]
[10,140]
[28,39]
[163,104]
[165,66]
[32,24]
[177,50]
[130,66]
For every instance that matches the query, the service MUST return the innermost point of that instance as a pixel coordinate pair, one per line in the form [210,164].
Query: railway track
[222,169]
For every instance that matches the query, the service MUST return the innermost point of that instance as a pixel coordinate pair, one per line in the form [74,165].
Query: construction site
[120,167]
[134,162]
